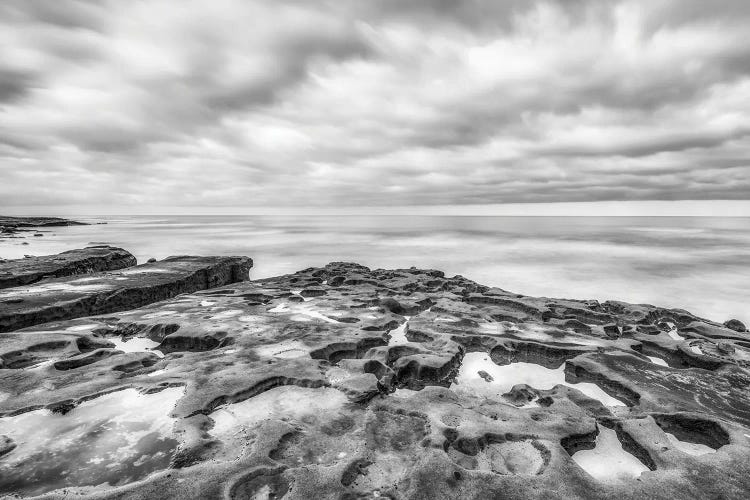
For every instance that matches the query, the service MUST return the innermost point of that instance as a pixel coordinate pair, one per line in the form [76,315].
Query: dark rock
[736,325]
[313,292]
[151,260]
[725,348]
[22,272]
[102,293]
[84,359]
[613,331]
[6,445]
[486,376]
[15,222]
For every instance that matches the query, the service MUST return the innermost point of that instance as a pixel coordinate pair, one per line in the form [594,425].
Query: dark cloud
[13,84]
[322,102]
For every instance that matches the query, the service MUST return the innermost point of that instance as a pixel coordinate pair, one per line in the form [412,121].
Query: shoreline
[377,356]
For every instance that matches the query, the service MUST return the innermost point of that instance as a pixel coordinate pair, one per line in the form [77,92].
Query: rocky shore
[186,380]
[21,227]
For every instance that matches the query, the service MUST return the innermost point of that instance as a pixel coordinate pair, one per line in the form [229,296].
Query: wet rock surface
[21,272]
[111,291]
[345,382]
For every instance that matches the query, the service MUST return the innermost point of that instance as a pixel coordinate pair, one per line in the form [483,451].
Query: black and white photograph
[375,249]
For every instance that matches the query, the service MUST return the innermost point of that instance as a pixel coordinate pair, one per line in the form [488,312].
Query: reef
[345,382]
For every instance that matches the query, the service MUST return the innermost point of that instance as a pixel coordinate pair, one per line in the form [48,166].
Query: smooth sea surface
[701,264]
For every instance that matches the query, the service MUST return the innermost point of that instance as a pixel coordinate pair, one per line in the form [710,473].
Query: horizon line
[630,208]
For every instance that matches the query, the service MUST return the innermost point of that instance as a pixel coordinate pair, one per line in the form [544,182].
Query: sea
[701,264]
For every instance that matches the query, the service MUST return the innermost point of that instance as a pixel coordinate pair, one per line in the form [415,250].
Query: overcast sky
[363,102]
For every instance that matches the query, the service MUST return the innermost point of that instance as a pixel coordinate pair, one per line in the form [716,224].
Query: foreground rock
[112,291]
[345,382]
[21,272]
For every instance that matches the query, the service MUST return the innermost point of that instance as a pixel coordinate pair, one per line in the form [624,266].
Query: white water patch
[404,392]
[143,270]
[657,361]
[317,315]
[298,293]
[51,287]
[40,366]
[136,344]
[159,314]
[114,439]
[694,449]
[281,308]
[675,335]
[531,331]
[506,376]
[80,328]
[287,402]
[301,312]
[207,303]
[230,313]
[493,328]
[157,373]
[446,319]
[608,461]
[398,335]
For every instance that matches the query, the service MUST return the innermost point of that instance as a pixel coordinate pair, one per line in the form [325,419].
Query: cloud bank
[397,102]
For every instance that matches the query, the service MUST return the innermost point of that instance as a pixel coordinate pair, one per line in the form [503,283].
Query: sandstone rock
[82,261]
[105,292]
[336,397]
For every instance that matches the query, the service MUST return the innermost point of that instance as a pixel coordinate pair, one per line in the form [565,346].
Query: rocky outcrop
[15,222]
[346,382]
[736,325]
[113,291]
[87,260]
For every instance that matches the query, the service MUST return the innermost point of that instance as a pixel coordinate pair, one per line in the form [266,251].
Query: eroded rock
[105,292]
[87,260]
[359,389]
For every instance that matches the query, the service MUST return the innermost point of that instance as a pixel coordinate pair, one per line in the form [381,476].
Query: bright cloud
[408,102]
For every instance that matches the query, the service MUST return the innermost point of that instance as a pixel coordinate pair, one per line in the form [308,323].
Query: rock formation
[21,272]
[112,291]
[16,222]
[344,382]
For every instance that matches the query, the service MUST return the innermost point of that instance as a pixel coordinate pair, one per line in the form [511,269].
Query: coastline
[242,351]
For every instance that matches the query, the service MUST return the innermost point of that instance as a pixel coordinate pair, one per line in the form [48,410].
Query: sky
[342,104]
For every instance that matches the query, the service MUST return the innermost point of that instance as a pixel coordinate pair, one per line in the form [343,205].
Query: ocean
[701,264]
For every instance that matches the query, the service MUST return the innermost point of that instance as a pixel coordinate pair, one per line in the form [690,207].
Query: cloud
[249,103]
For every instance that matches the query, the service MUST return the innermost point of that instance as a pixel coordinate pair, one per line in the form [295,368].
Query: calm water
[699,264]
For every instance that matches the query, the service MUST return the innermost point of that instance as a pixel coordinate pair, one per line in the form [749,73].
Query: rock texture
[92,259]
[344,382]
[112,291]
